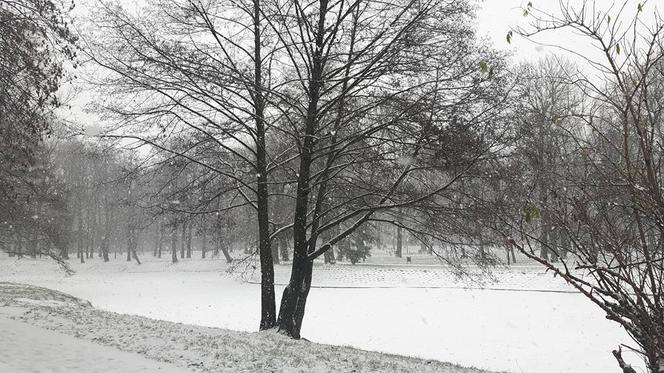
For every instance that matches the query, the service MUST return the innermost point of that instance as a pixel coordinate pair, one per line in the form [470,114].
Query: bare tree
[609,191]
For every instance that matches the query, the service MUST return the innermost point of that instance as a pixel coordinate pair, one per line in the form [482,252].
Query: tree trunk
[227,255]
[135,255]
[295,294]
[184,240]
[130,241]
[328,256]
[294,298]
[189,234]
[268,306]
[398,251]
[204,242]
[283,246]
[104,249]
[174,244]
[340,250]
[157,239]
[33,249]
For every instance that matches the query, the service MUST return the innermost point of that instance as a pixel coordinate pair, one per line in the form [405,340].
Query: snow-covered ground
[526,322]
[28,349]
[58,333]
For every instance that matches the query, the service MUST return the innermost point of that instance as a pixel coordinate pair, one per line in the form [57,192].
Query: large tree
[376,108]
[196,70]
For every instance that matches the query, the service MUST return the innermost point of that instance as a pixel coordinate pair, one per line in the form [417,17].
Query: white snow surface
[196,348]
[525,320]
[29,349]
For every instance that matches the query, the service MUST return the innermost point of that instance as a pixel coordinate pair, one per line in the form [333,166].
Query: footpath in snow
[47,331]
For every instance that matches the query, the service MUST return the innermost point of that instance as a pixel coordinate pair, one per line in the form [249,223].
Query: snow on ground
[27,349]
[30,348]
[527,322]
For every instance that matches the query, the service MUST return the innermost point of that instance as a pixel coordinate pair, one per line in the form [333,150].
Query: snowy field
[33,319]
[526,321]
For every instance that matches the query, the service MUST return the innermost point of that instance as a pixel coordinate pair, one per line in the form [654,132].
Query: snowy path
[29,349]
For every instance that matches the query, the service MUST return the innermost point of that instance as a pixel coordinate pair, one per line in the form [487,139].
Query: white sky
[494,19]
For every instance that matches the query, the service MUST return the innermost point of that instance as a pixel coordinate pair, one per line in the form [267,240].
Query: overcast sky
[496,17]
[494,20]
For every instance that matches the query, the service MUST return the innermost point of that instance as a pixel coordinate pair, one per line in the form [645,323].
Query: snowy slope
[28,349]
[198,349]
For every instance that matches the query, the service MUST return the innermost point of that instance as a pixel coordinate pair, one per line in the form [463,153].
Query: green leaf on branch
[509,37]
[484,67]
[555,119]
[530,212]
[526,11]
[617,48]
[639,7]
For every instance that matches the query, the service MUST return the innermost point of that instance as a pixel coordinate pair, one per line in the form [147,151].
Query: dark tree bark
[189,234]
[79,236]
[268,306]
[204,242]
[184,240]
[157,241]
[294,298]
[626,368]
[227,255]
[399,249]
[174,244]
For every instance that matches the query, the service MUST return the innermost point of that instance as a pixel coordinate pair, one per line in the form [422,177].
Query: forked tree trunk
[294,299]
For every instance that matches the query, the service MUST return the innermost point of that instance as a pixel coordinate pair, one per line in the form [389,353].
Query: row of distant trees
[96,201]
[306,124]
